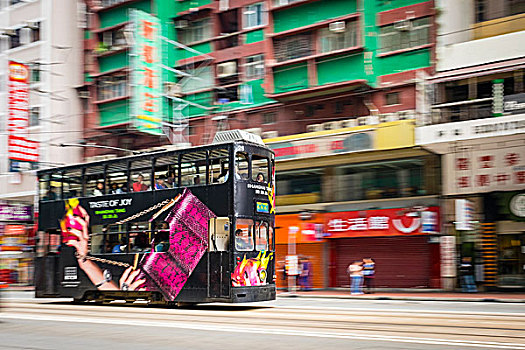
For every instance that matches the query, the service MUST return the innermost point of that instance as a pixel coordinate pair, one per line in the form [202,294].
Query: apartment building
[476,125]
[40,47]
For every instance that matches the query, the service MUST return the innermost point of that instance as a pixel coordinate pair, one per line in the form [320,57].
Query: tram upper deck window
[165,172]
[141,175]
[94,180]
[260,169]
[219,165]
[117,177]
[242,166]
[55,186]
[44,189]
[73,186]
[244,235]
[193,169]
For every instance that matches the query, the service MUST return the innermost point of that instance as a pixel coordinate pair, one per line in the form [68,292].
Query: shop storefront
[302,235]
[509,218]
[483,163]
[16,242]
[402,241]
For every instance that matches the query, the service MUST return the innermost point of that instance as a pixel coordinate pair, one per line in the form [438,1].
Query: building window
[254,15]
[480,10]
[35,31]
[15,39]
[330,40]
[284,2]
[200,78]
[112,40]
[269,118]
[34,117]
[392,98]
[294,46]
[254,67]
[112,87]
[35,73]
[405,34]
[195,31]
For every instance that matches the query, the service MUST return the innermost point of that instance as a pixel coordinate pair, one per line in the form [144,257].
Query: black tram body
[243,205]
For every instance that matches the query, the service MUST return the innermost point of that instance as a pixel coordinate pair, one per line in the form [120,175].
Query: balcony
[461,111]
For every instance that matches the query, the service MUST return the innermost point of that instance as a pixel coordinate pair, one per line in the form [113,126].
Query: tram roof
[224,140]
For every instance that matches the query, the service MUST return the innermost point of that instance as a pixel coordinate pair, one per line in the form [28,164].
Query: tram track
[469,326]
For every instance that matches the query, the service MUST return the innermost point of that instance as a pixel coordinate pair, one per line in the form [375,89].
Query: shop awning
[478,70]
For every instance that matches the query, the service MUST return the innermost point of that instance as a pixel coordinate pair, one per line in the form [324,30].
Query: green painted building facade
[268,66]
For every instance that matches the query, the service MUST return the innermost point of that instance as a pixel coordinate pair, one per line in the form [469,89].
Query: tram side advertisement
[186,218]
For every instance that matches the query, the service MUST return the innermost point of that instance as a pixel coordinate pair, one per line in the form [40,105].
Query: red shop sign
[383,222]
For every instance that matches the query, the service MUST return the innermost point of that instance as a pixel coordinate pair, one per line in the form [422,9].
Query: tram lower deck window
[244,235]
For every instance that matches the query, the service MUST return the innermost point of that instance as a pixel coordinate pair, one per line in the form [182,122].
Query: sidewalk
[419,295]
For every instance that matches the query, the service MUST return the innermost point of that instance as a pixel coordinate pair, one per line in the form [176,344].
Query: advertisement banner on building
[383,222]
[20,148]
[146,73]
[464,215]
[448,256]
[13,238]
[471,170]
[324,145]
[15,212]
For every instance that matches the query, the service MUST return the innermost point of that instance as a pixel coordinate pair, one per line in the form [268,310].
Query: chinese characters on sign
[485,171]
[383,222]
[147,84]
[21,150]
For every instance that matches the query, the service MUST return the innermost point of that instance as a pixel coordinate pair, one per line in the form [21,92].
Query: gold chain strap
[101,260]
[140,213]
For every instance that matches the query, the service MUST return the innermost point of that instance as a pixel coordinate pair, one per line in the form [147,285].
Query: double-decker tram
[185,226]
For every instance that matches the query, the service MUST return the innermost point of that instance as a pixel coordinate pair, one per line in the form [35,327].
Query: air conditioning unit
[181,24]
[349,123]
[332,125]
[255,131]
[172,89]
[33,24]
[387,117]
[404,115]
[403,25]
[9,32]
[368,120]
[226,69]
[337,27]
[83,94]
[314,127]
[270,134]
[25,35]
[224,5]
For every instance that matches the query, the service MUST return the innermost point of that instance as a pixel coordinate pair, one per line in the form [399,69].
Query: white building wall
[59,51]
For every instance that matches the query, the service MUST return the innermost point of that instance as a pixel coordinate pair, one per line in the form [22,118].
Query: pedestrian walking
[355,270]
[369,274]
[466,271]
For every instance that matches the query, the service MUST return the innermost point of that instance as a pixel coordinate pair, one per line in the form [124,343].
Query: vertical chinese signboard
[146,73]
[22,152]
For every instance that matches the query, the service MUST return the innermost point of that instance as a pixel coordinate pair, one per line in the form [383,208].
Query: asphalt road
[287,323]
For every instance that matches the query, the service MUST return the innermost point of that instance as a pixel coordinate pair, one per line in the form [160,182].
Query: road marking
[288,332]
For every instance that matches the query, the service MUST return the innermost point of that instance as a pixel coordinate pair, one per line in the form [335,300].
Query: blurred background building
[476,125]
[40,51]
[382,114]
